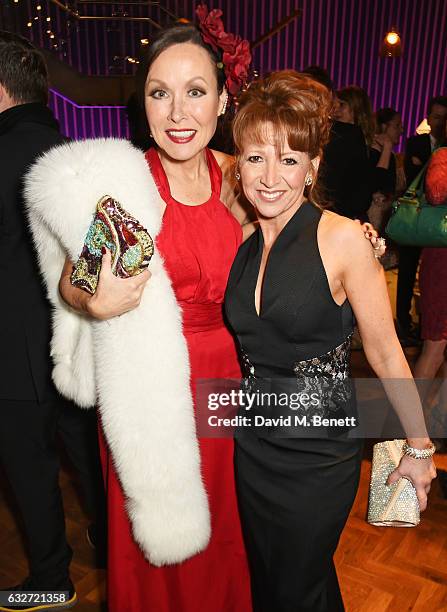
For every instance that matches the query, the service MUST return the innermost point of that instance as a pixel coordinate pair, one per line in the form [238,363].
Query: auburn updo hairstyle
[291,106]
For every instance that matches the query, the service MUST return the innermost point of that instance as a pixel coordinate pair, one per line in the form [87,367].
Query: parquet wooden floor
[380,569]
[392,569]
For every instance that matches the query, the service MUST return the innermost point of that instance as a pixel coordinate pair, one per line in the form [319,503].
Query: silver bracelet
[419,453]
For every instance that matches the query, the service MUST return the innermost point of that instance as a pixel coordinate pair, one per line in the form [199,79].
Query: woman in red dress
[184,95]
[198,244]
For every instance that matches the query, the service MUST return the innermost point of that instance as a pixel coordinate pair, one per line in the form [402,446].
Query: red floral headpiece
[236,55]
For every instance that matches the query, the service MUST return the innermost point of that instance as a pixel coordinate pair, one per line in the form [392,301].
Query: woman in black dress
[291,297]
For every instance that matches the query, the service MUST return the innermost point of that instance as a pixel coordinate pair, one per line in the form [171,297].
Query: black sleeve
[361,192]
[411,150]
[345,172]
[383,179]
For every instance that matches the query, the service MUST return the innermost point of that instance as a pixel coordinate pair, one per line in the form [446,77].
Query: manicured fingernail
[103,250]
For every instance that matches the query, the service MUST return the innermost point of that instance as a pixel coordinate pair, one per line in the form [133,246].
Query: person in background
[344,173]
[420,147]
[32,412]
[417,152]
[354,106]
[387,180]
[388,133]
[433,285]
[381,131]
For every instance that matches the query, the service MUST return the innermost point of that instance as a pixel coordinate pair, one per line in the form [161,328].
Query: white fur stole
[135,366]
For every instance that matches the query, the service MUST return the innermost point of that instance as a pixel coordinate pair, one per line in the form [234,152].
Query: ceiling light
[392,38]
[392,44]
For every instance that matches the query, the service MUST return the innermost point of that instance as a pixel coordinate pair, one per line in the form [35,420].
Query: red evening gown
[433,286]
[198,244]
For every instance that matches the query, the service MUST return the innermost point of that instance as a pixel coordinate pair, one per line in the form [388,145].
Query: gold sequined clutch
[395,505]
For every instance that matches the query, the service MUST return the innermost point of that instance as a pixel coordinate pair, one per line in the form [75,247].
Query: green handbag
[415,222]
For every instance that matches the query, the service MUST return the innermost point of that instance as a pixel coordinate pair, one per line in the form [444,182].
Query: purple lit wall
[345,37]
[80,122]
[342,35]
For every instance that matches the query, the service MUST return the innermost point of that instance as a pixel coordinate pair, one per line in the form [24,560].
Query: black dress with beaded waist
[295,491]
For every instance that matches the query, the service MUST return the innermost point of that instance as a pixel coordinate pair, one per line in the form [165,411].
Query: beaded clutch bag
[395,505]
[128,241]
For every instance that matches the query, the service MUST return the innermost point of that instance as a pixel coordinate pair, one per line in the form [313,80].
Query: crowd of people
[389,177]
[268,268]
[367,186]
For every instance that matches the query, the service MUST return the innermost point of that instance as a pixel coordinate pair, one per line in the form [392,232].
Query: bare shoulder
[341,230]
[343,242]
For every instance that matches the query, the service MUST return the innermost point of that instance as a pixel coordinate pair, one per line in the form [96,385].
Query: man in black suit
[417,152]
[344,175]
[419,148]
[31,411]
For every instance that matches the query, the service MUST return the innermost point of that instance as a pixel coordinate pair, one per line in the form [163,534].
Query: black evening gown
[295,491]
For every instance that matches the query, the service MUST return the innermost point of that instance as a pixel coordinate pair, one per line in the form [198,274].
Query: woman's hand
[382,141]
[114,296]
[378,244]
[420,472]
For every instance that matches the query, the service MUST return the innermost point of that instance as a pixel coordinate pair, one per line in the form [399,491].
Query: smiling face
[273,181]
[181,100]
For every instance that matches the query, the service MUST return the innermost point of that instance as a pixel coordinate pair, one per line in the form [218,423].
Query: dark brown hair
[296,106]
[23,72]
[174,35]
[384,116]
[440,100]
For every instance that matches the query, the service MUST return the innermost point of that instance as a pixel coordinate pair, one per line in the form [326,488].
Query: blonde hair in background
[358,101]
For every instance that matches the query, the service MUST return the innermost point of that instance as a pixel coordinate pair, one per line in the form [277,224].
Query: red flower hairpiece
[236,55]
